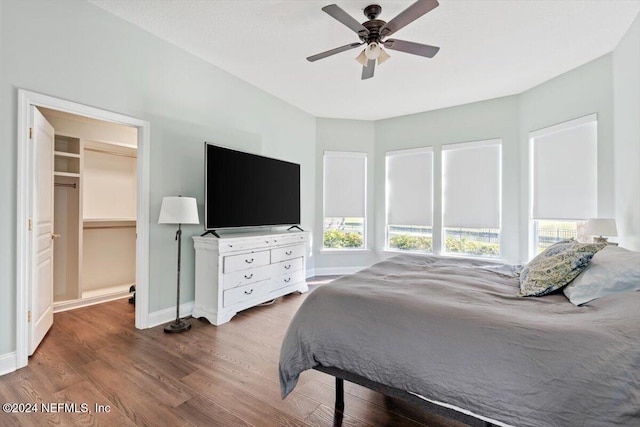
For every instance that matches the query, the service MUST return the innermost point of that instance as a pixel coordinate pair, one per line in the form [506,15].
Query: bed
[453,333]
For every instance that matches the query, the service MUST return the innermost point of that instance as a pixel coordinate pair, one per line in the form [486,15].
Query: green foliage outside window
[342,239]
[471,247]
[407,242]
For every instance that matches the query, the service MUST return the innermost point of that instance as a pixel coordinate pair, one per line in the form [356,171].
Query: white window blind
[344,184]
[471,184]
[565,170]
[410,187]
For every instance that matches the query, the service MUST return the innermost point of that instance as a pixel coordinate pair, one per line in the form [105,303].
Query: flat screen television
[248,190]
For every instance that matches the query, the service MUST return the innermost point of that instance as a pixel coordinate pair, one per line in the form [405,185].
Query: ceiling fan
[373,33]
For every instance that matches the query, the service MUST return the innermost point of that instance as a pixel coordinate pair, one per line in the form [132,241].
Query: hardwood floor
[208,376]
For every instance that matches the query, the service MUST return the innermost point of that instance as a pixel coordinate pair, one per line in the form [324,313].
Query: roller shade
[344,184]
[410,187]
[471,184]
[565,170]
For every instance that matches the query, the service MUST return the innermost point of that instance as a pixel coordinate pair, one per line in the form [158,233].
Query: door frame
[26,193]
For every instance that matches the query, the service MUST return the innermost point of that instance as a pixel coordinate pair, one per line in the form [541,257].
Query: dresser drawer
[287,252]
[286,267]
[288,279]
[244,277]
[243,293]
[245,261]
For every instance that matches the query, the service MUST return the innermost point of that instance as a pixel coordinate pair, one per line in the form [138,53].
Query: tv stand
[294,226]
[210,232]
[242,270]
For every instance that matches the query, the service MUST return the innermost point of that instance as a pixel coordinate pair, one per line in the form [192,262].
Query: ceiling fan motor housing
[372,11]
[373,24]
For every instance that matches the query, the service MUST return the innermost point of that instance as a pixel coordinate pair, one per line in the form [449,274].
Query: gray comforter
[453,331]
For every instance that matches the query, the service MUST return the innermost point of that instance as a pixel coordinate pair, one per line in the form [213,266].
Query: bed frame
[442,411]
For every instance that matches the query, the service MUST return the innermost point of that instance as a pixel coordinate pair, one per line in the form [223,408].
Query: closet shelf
[66,154]
[109,219]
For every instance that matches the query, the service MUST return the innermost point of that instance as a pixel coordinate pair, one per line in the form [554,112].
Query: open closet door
[41,309]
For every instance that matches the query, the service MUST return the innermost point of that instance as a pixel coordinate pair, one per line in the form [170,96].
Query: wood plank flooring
[208,376]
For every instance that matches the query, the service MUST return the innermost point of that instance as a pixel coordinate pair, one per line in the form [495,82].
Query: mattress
[453,331]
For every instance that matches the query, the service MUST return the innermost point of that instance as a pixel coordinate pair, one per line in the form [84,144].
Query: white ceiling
[488,48]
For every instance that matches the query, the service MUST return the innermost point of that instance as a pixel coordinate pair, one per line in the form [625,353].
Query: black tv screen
[247,190]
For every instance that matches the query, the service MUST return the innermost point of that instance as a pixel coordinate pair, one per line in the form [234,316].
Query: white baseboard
[168,314]
[91,300]
[310,272]
[336,271]
[8,363]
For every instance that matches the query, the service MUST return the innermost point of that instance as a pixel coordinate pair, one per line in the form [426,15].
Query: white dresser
[238,271]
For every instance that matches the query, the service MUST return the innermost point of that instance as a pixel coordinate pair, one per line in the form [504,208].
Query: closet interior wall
[94,210]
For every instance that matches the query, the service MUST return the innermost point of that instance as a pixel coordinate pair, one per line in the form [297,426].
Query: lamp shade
[601,227]
[179,210]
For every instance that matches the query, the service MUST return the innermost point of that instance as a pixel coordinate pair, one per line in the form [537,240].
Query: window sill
[344,250]
[448,255]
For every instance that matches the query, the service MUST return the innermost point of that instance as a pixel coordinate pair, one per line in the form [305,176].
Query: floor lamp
[178,210]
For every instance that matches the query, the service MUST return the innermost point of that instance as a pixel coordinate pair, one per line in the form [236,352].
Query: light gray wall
[584,90]
[345,135]
[626,102]
[77,51]
[496,118]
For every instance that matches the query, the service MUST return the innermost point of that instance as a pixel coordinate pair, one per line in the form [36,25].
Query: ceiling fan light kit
[373,32]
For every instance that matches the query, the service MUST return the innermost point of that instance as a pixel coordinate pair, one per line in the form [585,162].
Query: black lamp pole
[179,325]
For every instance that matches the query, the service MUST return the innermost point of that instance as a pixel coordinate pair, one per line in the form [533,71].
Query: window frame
[407,152]
[346,154]
[533,242]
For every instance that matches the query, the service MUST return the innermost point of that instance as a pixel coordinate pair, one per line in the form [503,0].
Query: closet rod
[97,150]
[62,184]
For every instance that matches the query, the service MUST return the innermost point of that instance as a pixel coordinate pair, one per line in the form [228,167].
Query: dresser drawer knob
[266,241]
[288,252]
[248,276]
[248,292]
[287,280]
[248,261]
[286,267]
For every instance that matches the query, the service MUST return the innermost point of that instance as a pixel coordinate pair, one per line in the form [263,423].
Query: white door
[41,293]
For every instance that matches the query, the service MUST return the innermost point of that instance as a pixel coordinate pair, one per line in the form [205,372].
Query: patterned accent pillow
[554,268]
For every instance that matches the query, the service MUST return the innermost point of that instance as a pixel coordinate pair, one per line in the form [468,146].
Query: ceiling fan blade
[408,15]
[333,51]
[411,47]
[367,70]
[340,15]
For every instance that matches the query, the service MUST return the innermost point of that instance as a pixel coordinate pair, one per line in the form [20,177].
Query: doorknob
[54,236]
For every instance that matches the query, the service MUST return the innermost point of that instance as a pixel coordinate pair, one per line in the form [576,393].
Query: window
[345,177]
[409,199]
[471,180]
[564,181]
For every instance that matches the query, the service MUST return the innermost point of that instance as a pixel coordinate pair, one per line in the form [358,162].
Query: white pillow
[612,270]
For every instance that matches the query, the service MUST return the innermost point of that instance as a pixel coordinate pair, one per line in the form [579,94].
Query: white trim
[472,144]
[168,314]
[61,306]
[337,271]
[310,273]
[357,154]
[8,363]
[26,99]
[593,117]
[342,251]
[408,151]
